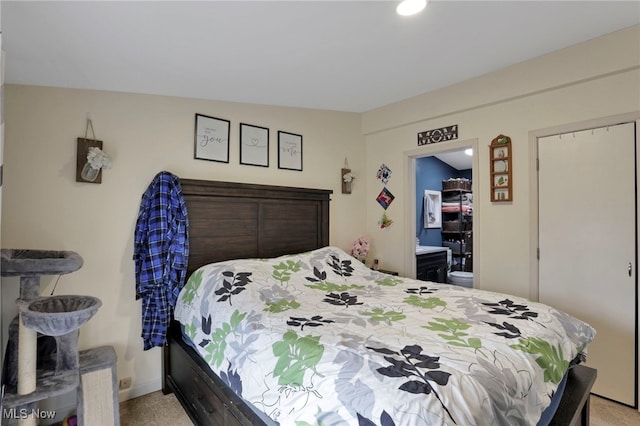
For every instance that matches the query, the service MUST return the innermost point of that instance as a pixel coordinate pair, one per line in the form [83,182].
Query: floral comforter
[319,338]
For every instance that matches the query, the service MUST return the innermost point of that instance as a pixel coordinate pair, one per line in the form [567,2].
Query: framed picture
[289,151]
[385,198]
[254,145]
[432,209]
[212,139]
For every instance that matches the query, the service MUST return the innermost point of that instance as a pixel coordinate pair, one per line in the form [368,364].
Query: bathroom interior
[444,218]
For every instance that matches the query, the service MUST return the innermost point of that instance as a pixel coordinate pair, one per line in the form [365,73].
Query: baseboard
[140,389]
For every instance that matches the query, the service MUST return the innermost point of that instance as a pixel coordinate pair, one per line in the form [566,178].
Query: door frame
[534,203]
[410,205]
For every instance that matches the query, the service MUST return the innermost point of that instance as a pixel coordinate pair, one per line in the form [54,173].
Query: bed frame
[232,221]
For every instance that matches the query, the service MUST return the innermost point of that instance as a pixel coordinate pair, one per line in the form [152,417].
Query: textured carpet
[609,413]
[156,409]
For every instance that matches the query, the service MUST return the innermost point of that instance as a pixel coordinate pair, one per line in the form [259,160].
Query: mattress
[319,338]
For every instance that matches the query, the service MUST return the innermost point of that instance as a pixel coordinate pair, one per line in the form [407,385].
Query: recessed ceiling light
[410,7]
[468,151]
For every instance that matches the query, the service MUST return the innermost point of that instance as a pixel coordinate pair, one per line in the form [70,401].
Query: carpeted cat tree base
[95,382]
[91,373]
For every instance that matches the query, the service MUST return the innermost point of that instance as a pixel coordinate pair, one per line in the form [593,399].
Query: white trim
[140,389]
[410,206]
[533,198]
[637,258]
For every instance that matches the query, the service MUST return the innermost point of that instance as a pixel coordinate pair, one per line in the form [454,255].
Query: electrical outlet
[125,383]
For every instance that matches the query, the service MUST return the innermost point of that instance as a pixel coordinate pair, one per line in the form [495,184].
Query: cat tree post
[28,344]
[27,360]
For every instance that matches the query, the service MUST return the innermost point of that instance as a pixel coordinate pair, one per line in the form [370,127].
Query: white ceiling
[336,55]
[456,159]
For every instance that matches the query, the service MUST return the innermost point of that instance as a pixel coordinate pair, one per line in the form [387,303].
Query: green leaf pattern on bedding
[192,286]
[320,339]
[218,344]
[428,303]
[550,359]
[283,270]
[379,314]
[389,281]
[295,356]
[452,331]
[328,287]
[281,306]
[190,330]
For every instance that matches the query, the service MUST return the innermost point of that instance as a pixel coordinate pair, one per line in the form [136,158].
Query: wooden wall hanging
[81,158]
[500,155]
[83,149]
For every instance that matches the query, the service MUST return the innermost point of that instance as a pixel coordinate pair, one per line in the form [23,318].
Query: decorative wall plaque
[442,134]
[500,166]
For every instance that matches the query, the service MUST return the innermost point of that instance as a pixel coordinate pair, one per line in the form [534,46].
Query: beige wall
[596,79]
[44,207]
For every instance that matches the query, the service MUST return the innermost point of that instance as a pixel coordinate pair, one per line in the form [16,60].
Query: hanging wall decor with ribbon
[90,158]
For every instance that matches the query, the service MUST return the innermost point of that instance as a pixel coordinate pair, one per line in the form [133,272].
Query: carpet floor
[156,409]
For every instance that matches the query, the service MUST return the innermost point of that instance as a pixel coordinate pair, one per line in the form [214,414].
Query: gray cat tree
[91,373]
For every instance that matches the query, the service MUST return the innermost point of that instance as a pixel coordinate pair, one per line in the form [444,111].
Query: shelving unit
[500,166]
[457,231]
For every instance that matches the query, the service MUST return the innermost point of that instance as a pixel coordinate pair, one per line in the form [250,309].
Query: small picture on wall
[432,209]
[385,198]
[500,152]
[212,139]
[254,145]
[289,151]
[384,173]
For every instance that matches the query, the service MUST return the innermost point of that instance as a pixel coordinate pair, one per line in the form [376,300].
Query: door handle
[630,269]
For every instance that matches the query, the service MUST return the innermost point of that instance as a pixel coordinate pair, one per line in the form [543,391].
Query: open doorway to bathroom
[444,217]
[441,212]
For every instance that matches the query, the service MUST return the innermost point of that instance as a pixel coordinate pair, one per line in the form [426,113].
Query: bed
[308,335]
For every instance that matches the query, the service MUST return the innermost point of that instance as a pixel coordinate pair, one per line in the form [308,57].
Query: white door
[587,238]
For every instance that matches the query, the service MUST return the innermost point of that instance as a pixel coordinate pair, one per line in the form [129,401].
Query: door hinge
[538,252]
[537,164]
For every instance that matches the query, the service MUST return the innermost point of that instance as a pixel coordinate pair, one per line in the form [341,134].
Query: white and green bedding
[320,339]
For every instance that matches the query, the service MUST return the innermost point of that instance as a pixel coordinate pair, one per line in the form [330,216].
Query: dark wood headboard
[237,220]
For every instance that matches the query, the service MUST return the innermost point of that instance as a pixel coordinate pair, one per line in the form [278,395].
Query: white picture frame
[432,209]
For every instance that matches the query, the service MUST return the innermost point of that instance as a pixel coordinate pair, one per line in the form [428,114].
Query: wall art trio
[212,136]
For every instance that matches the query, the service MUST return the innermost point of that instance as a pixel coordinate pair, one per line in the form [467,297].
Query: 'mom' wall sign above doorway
[443,134]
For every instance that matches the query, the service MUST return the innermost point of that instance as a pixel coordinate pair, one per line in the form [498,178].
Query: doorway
[587,245]
[413,206]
